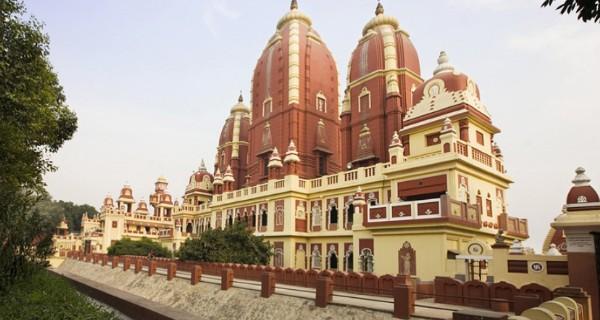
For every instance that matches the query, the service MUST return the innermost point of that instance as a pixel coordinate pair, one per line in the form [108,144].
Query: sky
[153,81]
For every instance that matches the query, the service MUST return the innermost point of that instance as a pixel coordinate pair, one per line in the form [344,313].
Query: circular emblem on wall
[475,249]
[537,267]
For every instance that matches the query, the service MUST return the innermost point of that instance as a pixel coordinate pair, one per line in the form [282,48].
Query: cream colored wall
[499,269]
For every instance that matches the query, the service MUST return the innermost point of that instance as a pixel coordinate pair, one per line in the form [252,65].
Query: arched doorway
[189,228]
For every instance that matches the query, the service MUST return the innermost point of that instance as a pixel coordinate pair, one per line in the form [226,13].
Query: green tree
[140,247]
[56,210]
[235,244]
[586,9]
[34,123]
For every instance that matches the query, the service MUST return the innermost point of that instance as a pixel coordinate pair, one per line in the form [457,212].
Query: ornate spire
[240,98]
[202,166]
[292,153]
[395,140]
[294,5]
[581,179]
[379,9]
[443,64]
[275,160]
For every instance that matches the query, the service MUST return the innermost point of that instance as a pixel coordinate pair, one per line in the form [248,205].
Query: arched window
[278,258]
[316,216]
[366,260]
[349,257]
[350,214]
[230,219]
[263,217]
[315,258]
[333,214]
[189,228]
[252,219]
[332,258]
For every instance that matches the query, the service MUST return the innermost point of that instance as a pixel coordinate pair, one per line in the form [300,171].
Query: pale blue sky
[152,82]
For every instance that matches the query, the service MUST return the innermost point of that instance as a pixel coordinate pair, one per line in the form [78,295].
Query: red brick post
[171,271]
[324,291]
[404,301]
[500,305]
[104,260]
[524,302]
[152,268]
[226,278]
[126,263]
[138,265]
[267,284]
[196,274]
[94,258]
[81,255]
[115,261]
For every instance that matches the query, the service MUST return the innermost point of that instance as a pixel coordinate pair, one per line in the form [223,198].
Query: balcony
[441,209]
[513,226]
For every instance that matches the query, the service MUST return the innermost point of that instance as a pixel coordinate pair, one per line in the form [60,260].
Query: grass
[47,296]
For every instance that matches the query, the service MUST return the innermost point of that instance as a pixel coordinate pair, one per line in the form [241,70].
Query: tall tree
[34,123]
[586,9]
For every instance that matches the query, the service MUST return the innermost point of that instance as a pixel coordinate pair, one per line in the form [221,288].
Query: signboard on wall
[580,242]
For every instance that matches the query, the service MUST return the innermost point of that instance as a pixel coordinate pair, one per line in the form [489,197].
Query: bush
[47,296]
[141,247]
[235,244]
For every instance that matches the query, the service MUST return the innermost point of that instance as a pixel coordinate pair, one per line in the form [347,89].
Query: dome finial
[443,64]
[202,166]
[581,179]
[379,9]
[294,5]
[240,98]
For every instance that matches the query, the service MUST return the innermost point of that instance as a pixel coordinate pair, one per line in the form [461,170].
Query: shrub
[47,296]
[235,244]
[141,247]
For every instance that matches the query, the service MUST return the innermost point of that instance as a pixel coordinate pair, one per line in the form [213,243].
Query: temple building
[403,176]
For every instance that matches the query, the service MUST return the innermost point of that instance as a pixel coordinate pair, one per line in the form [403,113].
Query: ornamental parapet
[513,226]
[442,209]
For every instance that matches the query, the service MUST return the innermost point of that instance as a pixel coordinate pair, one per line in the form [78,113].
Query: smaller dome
[553,251]
[582,192]
[240,106]
[162,179]
[453,80]
[154,199]
[166,198]
[108,201]
[142,207]
[126,192]
[447,88]
[200,180]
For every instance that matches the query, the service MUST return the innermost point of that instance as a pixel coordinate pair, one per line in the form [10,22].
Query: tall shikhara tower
[383,71]
[294,99]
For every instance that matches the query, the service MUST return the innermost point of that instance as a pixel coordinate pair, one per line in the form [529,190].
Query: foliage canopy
[141,247]
[586,10]
[34,123]
[235,244]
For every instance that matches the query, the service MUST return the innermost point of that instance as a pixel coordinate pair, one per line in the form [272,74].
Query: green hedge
[141,247]
[235,244]
[47,296]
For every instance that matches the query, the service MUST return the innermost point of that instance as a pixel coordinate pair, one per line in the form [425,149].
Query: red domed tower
[383,70]
[233,144]
[295,97]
